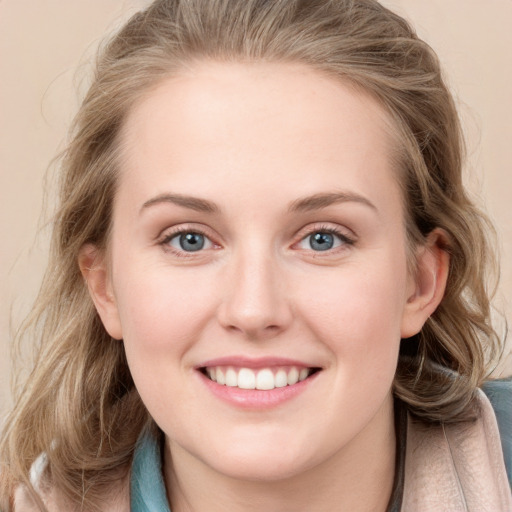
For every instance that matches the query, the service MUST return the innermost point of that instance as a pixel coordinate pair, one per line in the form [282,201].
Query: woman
[268,286]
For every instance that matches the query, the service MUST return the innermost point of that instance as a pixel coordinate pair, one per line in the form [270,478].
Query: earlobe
[429,283]
[94,270]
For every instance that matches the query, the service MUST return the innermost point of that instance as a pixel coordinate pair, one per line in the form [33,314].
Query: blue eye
[189,241]
[324,240]
[321,241]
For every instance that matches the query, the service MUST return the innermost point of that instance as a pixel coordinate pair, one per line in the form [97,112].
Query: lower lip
[255,398]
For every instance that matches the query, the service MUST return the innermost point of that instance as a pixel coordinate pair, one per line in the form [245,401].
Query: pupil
[192,241]
[321,241]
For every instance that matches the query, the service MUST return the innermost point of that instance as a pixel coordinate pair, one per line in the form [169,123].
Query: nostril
[254,330]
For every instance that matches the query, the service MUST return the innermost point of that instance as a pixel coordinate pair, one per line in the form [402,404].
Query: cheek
[358,315]
[163,315]
[161,310]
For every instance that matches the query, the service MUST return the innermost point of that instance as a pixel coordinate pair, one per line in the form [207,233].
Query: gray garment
[499,393]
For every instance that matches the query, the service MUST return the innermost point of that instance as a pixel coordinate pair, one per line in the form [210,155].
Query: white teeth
[231,378]
[246,379]
[281,379]
[221,379]
[293,376]
[264,379]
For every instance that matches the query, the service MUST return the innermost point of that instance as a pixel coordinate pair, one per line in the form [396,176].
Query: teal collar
[147,489]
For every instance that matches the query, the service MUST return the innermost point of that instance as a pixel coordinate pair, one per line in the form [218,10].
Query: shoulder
[118,500]
[451,466]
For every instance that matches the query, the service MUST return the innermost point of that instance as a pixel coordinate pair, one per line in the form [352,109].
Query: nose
[255,303]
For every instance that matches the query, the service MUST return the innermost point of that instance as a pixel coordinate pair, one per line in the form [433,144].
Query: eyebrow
[305,204]
[323,200]
[191,202]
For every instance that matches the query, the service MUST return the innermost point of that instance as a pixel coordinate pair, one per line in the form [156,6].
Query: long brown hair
[80,398]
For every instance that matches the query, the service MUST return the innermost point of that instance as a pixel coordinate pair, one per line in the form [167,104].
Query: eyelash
[322,228]
[166,239]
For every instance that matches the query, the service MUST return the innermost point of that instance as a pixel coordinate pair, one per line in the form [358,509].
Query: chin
[270,463]
[269,470]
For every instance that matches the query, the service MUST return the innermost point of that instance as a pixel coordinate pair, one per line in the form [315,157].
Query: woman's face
[258,238]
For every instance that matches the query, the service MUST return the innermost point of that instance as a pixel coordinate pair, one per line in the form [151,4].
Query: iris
[321,241]
[191,242]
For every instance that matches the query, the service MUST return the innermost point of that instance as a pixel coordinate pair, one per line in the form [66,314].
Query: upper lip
[257,362]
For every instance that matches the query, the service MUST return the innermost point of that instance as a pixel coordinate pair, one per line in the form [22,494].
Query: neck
[358,478]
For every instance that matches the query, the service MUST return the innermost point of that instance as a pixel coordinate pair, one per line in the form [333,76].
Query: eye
[189,241]
[324,240]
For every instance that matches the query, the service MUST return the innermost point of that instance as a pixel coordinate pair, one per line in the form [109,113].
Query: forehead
[263,122]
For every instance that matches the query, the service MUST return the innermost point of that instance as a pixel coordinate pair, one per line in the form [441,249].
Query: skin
[254,140]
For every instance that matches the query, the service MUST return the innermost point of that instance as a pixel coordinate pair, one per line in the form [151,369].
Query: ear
[95,272]
[428,284]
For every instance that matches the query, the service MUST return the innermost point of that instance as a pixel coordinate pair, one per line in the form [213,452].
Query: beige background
[44,49]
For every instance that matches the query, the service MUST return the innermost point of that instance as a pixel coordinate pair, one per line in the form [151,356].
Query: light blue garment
[499,393]
[147,489]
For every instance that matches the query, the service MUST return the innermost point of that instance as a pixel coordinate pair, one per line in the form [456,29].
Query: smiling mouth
[263,379]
